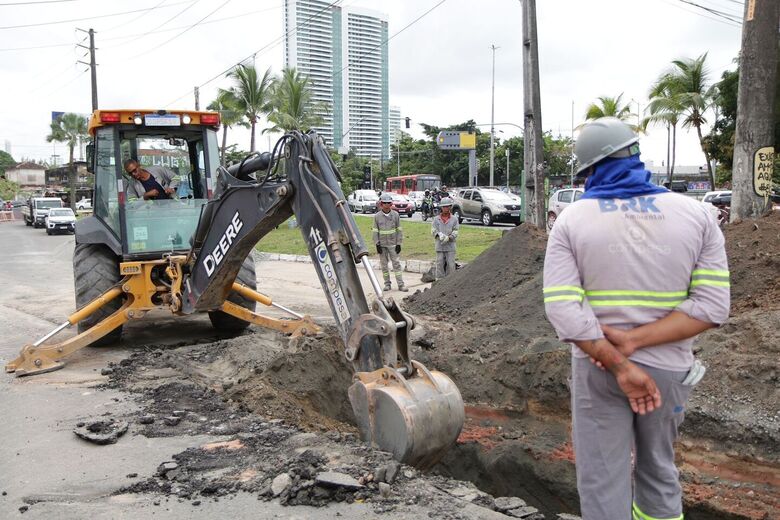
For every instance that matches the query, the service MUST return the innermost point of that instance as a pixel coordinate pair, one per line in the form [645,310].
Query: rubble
[101,431]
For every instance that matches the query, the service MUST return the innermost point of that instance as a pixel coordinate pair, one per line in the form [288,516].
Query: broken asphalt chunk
[504,504]
[336,479]
[101,432]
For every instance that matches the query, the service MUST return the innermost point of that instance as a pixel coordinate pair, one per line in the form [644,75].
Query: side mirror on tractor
[91,158]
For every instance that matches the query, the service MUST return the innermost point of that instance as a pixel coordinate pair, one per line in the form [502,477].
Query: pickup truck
[487,205]
[37,208]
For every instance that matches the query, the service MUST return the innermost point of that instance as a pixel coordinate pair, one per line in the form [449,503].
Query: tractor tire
[96,270]
[227,323]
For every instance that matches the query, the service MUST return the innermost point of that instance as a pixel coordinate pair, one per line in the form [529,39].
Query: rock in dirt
[171,420]
[169,470]
[392,472]
[146,419]
[385,490]
[280,484]
[102,431]
[336,479]
[504,504]
[566,516]
[527,513]
[429,275]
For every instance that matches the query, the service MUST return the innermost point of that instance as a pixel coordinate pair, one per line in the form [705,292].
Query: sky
[151,53]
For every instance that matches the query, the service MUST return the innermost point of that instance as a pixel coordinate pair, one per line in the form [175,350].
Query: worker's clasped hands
[443,238]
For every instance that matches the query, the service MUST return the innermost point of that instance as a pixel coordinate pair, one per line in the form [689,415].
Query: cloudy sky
[152,52]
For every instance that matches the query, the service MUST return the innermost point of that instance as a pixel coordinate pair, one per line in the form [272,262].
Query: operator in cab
[150,182]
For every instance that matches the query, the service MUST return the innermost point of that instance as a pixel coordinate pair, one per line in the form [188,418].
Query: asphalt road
[43,465]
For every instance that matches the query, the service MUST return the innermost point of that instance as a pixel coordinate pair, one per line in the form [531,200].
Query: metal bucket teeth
[416,419]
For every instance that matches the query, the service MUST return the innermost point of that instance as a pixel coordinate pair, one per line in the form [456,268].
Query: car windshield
[400,198]
[61,212]
[496,196]
[46,204]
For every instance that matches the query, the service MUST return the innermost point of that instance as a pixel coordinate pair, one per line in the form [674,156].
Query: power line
[716,12]
[128,36]
[268,46]
[184,31]
[369,51]
[89,17]
[135,18]
[699,13]
[172,17]
[4,4]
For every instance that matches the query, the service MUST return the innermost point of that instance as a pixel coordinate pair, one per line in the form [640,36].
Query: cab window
[564,196]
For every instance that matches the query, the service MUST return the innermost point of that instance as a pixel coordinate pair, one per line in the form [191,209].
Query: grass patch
[418,243]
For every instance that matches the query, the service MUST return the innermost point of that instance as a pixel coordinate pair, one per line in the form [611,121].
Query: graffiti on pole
[763,167]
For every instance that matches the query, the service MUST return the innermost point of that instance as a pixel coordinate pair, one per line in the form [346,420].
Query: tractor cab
[181,143]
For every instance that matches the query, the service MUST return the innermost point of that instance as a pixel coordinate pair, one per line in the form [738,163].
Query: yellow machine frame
[142,295]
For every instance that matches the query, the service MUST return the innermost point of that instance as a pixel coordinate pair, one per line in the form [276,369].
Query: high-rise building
[341,50]
[394,125]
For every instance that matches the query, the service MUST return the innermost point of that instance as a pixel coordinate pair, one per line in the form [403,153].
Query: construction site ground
[259,426]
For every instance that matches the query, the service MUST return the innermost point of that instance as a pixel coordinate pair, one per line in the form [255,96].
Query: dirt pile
[486,327]
[753,248]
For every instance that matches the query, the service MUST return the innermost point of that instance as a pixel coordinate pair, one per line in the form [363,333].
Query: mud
[485,326]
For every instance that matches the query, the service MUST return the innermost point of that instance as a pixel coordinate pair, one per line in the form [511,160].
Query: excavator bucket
[417,418]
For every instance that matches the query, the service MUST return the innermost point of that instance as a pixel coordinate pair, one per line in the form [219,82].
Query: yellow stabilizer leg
[37,359]
[299,326]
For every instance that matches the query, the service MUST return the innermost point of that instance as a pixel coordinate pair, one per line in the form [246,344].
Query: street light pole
[492,116]
[572,143]
[507,169]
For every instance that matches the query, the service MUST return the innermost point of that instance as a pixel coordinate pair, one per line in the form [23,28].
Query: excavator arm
[400,406]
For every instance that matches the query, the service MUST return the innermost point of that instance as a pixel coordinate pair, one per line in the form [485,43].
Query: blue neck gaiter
[620,178]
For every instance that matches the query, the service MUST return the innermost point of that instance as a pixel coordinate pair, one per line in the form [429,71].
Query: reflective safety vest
[628,262]
[387,229]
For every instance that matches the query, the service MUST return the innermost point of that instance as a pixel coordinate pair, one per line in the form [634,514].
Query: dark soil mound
[753,248]
[501,288]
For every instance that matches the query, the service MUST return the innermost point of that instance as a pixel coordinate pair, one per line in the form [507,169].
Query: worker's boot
[387,286]
[402,287]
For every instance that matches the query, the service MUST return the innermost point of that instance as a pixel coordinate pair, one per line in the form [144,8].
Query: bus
[407,183]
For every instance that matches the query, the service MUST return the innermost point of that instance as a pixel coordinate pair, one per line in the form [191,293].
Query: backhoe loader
[135,261]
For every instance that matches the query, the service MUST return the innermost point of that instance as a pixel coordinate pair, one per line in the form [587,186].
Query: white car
[84,204]
[559,201]
[60,219]
[707,200]
[363,201]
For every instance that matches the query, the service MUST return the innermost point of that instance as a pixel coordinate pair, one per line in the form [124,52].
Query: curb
[409,266]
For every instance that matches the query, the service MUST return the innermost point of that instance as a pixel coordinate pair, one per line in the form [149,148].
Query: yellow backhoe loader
[189,253]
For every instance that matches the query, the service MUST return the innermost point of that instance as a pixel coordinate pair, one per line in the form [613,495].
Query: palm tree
[607,106]
[688,80]
[293,107]
[69,129]
[252,93]
[666,108]
[229,115]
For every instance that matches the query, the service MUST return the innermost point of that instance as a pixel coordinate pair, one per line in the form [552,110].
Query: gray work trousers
[445,263]
[606,432]
[390,256]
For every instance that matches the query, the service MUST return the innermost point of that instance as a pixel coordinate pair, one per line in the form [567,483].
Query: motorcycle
[429,212]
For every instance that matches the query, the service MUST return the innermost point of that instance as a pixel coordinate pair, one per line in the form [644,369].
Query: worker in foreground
[445,230]
[388,237]
[632,274]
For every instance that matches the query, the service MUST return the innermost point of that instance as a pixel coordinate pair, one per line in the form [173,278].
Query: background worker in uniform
[150,182]
[445,229]
[632,274]
[388,238]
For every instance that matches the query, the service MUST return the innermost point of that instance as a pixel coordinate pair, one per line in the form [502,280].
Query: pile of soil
[753,248]
[485,326]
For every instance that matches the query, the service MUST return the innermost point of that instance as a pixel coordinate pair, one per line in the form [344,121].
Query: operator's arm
[564,298]
[707,304]
[171,179]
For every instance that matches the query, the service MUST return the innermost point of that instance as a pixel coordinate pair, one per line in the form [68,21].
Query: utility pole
[572,143]
[533,156]
[92,65]
[507,169]
[197,98]
[492,116]
[754,137]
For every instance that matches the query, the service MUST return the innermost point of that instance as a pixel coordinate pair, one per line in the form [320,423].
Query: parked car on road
[84,204]
[559,201]
[401,204]
[488,205]
[36,209]
[363,201]
[59,220]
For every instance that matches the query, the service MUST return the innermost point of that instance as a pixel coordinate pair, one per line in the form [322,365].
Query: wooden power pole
[754,137]
[533,157]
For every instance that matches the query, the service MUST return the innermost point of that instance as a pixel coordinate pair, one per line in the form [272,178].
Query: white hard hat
[601,138]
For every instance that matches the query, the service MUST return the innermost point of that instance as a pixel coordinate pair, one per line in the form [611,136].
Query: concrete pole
[572,143]
[492,117]
[472,168]
[754,136]
[507,170]
[93,69]
[533,156]
[197,98]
